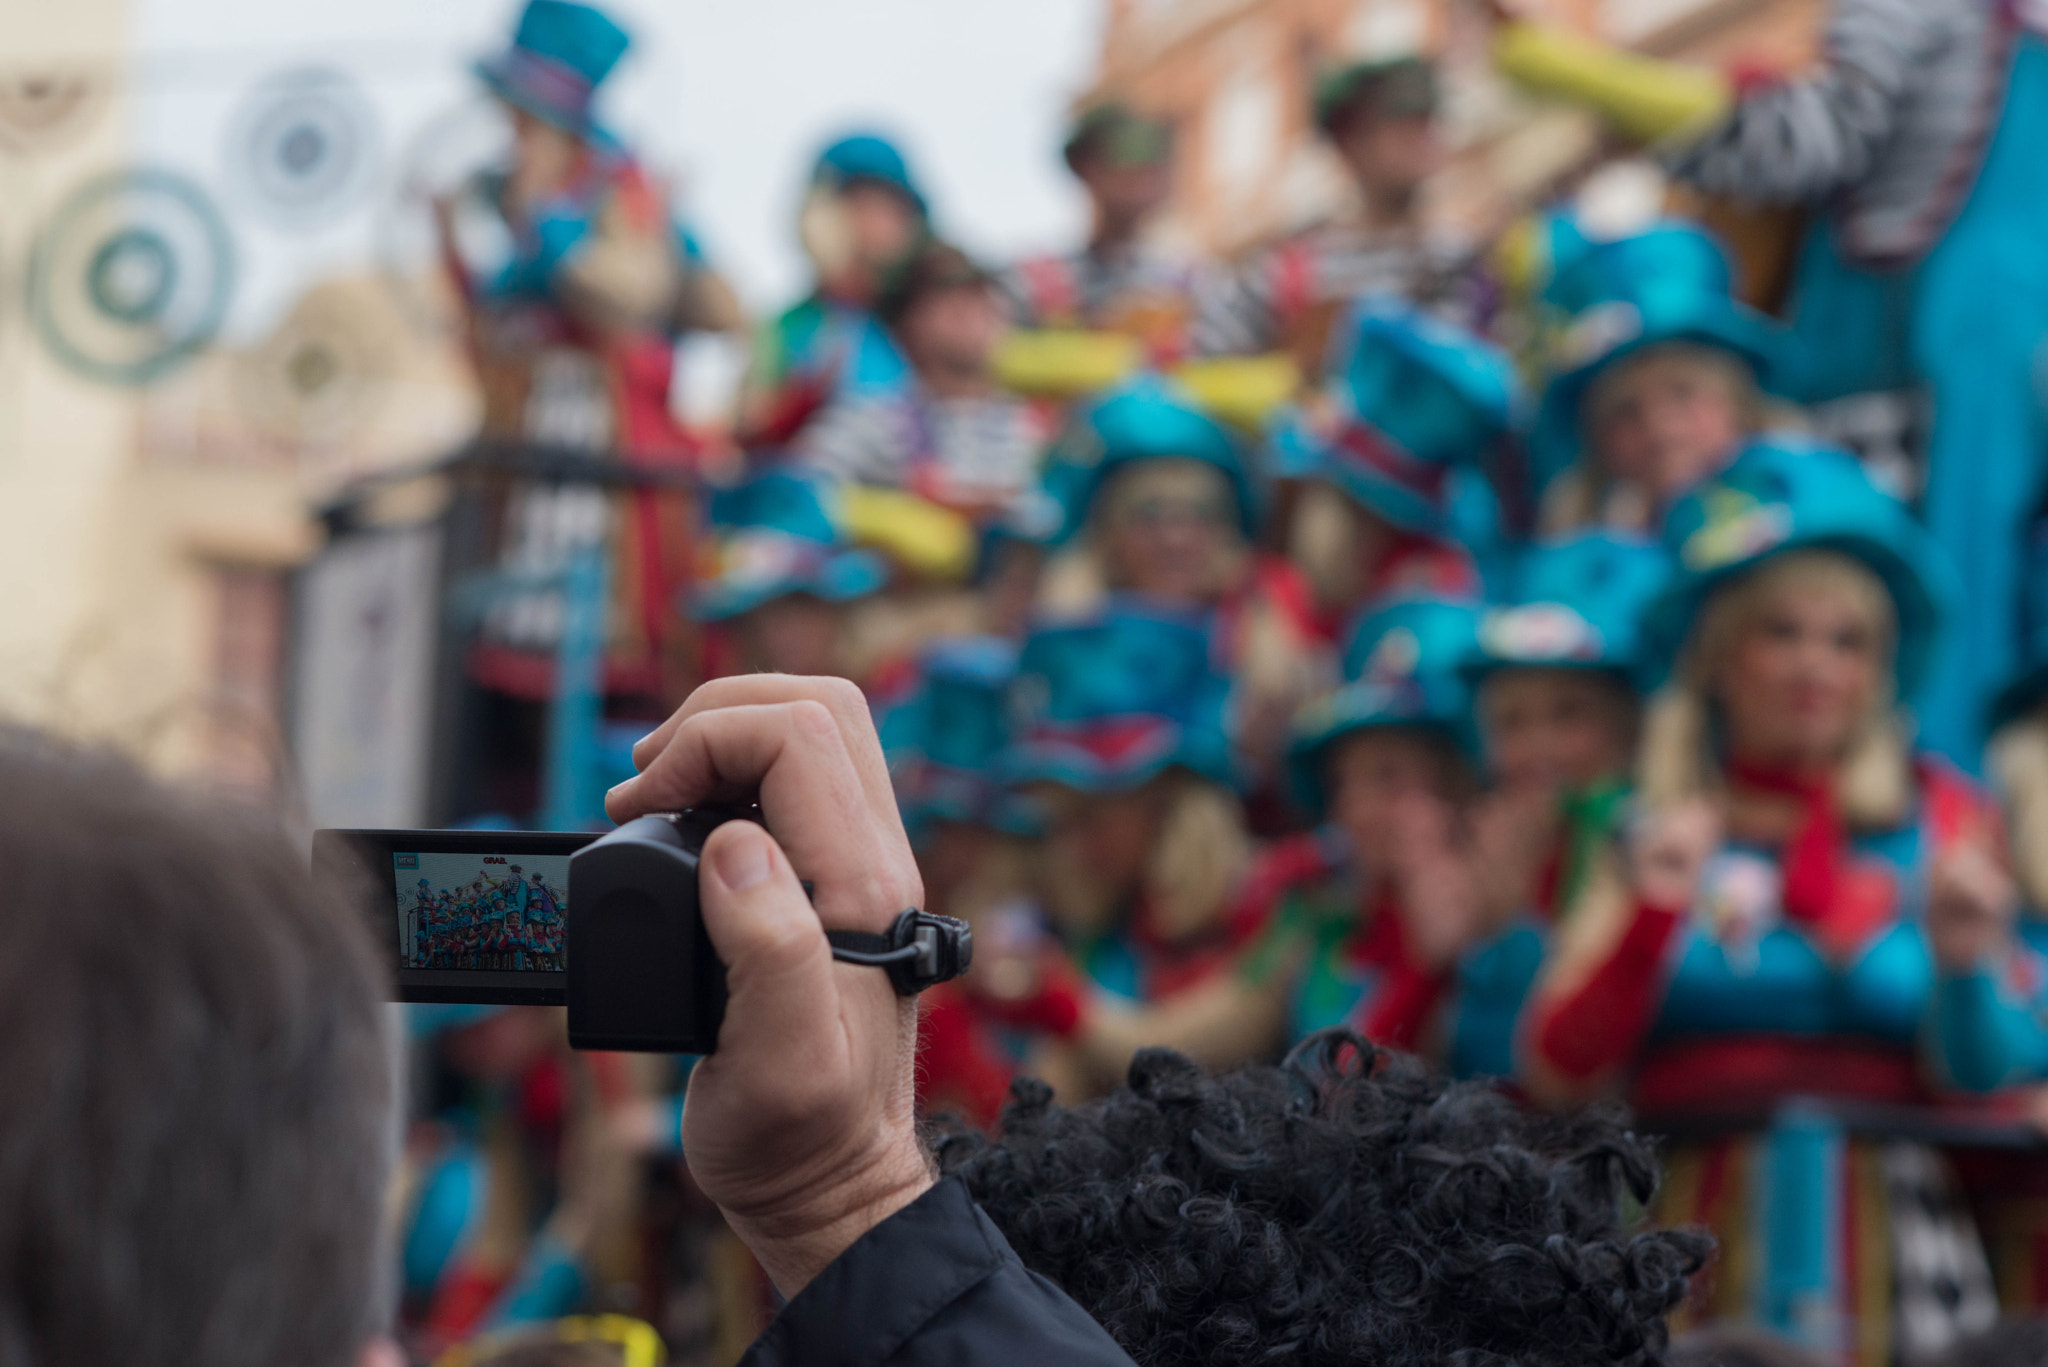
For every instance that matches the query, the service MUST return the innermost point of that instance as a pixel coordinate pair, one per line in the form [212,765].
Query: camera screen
[480,911]
[460,916]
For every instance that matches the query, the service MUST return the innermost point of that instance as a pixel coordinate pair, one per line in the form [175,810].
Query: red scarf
[1838,903]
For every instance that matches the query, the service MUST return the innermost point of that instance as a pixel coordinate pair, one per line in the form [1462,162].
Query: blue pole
[571,799]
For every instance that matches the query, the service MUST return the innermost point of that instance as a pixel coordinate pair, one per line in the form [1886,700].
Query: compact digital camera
[607,925]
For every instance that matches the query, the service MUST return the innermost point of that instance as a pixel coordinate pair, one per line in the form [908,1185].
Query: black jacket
[934,1283]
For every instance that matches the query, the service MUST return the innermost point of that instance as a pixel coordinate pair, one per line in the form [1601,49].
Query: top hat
[560,54]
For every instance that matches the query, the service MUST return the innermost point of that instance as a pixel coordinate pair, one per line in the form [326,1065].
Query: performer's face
[1385,785]
[1554,729]
[1390,158]
[1125,196]
[1111,835]
[544,157]
[1668,418]
[1168,530]
[793,634]
[954,331]
[880,221]
[1803,671]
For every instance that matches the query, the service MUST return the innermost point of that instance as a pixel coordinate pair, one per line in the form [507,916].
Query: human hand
[801,1125]
[1512,833]
[1437,894]
[1971,905]
[1669,849]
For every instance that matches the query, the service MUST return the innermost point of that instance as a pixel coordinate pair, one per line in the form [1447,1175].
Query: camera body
[607,925]
[637,935]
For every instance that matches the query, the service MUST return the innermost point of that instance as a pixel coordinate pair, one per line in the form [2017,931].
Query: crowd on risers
[1475,648]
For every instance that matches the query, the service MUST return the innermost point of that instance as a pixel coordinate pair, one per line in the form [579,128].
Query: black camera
[486,917]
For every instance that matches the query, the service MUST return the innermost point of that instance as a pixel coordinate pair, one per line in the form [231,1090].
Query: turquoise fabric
[1577,602]
[1782,495]
[1978,337]
[776,536]
[1403,663]
[1106,703]
[1147,418]
[867,156]
[556,36]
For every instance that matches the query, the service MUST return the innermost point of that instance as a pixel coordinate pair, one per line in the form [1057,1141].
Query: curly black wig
[1345,1206]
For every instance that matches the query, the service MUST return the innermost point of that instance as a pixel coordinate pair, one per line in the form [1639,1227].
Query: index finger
[793,759]
[842,698]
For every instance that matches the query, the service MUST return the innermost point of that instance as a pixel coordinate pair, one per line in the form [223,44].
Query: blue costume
[1798,970]
[1923,131]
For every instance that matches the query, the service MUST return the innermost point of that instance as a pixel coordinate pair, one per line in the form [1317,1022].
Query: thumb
[777,962]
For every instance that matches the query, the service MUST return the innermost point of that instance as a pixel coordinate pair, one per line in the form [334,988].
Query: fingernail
[615,790]
[741,860]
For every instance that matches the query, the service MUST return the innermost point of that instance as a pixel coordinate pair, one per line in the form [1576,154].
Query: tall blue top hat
[870,157]
[946,739]
[1403,665]
[1782,495]
[1577,604]
[1414,397]
[774,536]
[560,54]
[1105,704]
[1148,418]
[1669,283]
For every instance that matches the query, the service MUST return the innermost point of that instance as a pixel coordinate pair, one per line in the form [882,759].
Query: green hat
[1403,87]
[1118,134]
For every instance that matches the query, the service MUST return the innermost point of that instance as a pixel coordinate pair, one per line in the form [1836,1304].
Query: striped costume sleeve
[1807,138]
[859,440]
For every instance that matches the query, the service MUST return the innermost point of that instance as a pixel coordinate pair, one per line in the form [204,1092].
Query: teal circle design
[131,276]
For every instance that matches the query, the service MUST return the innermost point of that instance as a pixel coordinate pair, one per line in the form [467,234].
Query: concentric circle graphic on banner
[131,275]
[304,145]
[321,374]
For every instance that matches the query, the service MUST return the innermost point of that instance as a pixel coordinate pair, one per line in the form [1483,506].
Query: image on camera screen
[484,911]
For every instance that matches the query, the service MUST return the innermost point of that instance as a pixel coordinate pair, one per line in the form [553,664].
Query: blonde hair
[1678,759]
[2019,765]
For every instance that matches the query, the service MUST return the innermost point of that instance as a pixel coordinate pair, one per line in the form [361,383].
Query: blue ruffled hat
[867,156]
[1669,283]
[561,53]
[1781,495]
[1404,664]
[1105,704]
[946,738]
[1414,398]
[1147,418]
[1575,603]
[774,536]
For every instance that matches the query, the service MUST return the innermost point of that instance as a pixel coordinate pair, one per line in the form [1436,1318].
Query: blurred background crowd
[1513,529]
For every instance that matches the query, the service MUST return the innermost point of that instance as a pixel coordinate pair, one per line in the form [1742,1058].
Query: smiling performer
[1758,935]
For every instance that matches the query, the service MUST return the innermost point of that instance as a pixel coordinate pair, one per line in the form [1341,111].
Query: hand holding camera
[801,1125]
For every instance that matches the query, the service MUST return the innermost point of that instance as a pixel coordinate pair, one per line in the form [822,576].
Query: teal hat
[1781,495]
[946,735]
[1105,704]
[1403,663]
[868,157]
[1669,283]
[1414,397]
[1147,418]
[1403,87]
[2031,686]
[1575,603]
[1118,134]
[774,536]
[560,54]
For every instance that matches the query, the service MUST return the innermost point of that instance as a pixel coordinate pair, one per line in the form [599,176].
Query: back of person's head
[1343,1207]
[1739,1347]
[197,1128]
